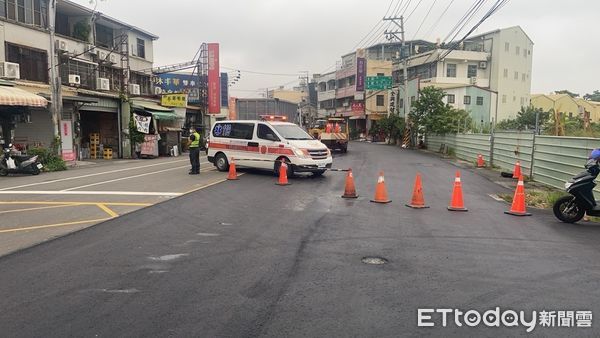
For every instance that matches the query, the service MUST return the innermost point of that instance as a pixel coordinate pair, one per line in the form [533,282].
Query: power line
[411,13]
[260,73]
[439,19]
[424,18]
[374,27]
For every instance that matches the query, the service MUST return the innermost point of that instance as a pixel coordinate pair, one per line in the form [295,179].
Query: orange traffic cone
[232,173]
[418,201]
[457,204]
[349,189]
[518,204]
[480,161]
[381,195]
[517,170]
[283,179]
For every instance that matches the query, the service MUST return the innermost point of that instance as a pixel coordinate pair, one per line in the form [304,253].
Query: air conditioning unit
[473,80]
[61,45]
[74,79]
[113,58]
[158,91]
[102,84]
[91,49]
[102,55]
[9,70]
[483,64]
[134,89]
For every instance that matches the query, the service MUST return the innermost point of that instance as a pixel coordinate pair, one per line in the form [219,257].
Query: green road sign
[379,82]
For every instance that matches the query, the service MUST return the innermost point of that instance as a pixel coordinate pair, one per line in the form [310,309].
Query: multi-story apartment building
[498,63]
[95,55]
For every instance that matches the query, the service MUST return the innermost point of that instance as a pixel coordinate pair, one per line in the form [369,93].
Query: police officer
[195,151]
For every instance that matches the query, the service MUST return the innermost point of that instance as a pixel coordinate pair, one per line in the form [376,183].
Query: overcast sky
[289,36]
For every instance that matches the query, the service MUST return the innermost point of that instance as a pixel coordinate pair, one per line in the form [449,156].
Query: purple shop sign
[360,74]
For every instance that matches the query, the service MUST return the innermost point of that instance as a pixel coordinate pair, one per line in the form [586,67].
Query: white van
[262,144]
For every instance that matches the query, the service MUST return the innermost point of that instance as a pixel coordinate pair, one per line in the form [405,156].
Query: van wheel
[290,171]
[221,162]
[3,172]
[318,173]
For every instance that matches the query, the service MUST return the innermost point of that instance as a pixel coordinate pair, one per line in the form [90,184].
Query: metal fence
[548,159]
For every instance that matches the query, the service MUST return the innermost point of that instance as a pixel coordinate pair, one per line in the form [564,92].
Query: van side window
[234,130]
[264,130]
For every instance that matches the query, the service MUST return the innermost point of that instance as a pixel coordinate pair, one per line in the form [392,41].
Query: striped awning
[13,96]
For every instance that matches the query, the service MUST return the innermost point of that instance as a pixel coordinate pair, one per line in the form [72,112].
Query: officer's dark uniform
[195,153]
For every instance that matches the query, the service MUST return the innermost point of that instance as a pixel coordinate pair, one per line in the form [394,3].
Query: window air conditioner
[473,80]
[157,91]
[113,58]
[74,79]
[91,49]
[102,55]
[483,64]
[102,84]
[9,70]
[61,45]
[134,89]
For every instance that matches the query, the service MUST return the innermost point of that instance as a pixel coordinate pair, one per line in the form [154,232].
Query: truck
[333,132]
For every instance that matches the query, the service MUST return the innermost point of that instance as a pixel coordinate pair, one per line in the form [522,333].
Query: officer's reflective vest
[196,142]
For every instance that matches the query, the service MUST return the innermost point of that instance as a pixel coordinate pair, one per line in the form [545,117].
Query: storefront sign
[232,108]
[66,137]
[361,69]
[150,145]
[174,100]
[142,123]
[214,87]
[379,82]
[358,107]
[170,83]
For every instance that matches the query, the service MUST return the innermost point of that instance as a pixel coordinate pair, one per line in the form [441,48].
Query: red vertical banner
[214,85]
[232,108]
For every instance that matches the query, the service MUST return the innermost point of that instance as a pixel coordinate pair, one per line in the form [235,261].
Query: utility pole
[55,83]
[393,36]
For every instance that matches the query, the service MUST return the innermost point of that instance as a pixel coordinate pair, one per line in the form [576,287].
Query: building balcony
[479,82]
[326,95]
[345,92]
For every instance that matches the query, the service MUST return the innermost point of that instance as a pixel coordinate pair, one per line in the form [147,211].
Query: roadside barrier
[518,203]
[232,172]
[381,195]
[457,203]
[418,200]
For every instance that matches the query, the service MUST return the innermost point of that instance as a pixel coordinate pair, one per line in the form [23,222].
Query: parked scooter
[18,164]
[571,209]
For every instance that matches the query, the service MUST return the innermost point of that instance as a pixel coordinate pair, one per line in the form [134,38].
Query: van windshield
[292,132]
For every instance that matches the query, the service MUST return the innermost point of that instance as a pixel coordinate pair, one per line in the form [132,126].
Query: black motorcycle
[18,164]
[571,209]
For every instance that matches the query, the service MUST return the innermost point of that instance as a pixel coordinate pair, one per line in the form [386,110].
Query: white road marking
[82,192]
[207,234]
[167,258]
[496,197]
[92,175]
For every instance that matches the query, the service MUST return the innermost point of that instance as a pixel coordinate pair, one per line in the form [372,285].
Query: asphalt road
[249,258]
[34,209]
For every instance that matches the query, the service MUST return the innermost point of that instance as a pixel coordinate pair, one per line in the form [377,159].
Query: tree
[431,115]
[564,91]
[525,119]
[595,96]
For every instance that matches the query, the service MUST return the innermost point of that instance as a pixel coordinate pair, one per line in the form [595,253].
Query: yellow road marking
[54,225]
[38,208]
[79,203]
[107,210]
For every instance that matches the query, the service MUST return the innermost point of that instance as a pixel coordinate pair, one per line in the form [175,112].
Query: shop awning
[13,96]
[162,116]
[151,107]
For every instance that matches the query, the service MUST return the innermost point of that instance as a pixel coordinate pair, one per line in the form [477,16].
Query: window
[467,99]
[522,101]
[401,103]
[570,115]
[104,36]
[412,100]
[516,75]
[451,70]
[40,13]
[524,53]
[380,101]
[503,98]
[518,50]
[31,12]
[264,130]
[505,73]
[115,76]
[33,64]
[480,100]
[141,48]
[472,71]
[86,72]
[3,8]
[451,98]
[243,131]
[523,76]
[145,82]
[380,74]
[514,99]
[11,9]
[506,46]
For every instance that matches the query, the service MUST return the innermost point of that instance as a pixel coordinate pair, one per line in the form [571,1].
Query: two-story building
[100,60]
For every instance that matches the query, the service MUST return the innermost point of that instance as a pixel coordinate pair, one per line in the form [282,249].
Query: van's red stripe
[272,150]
